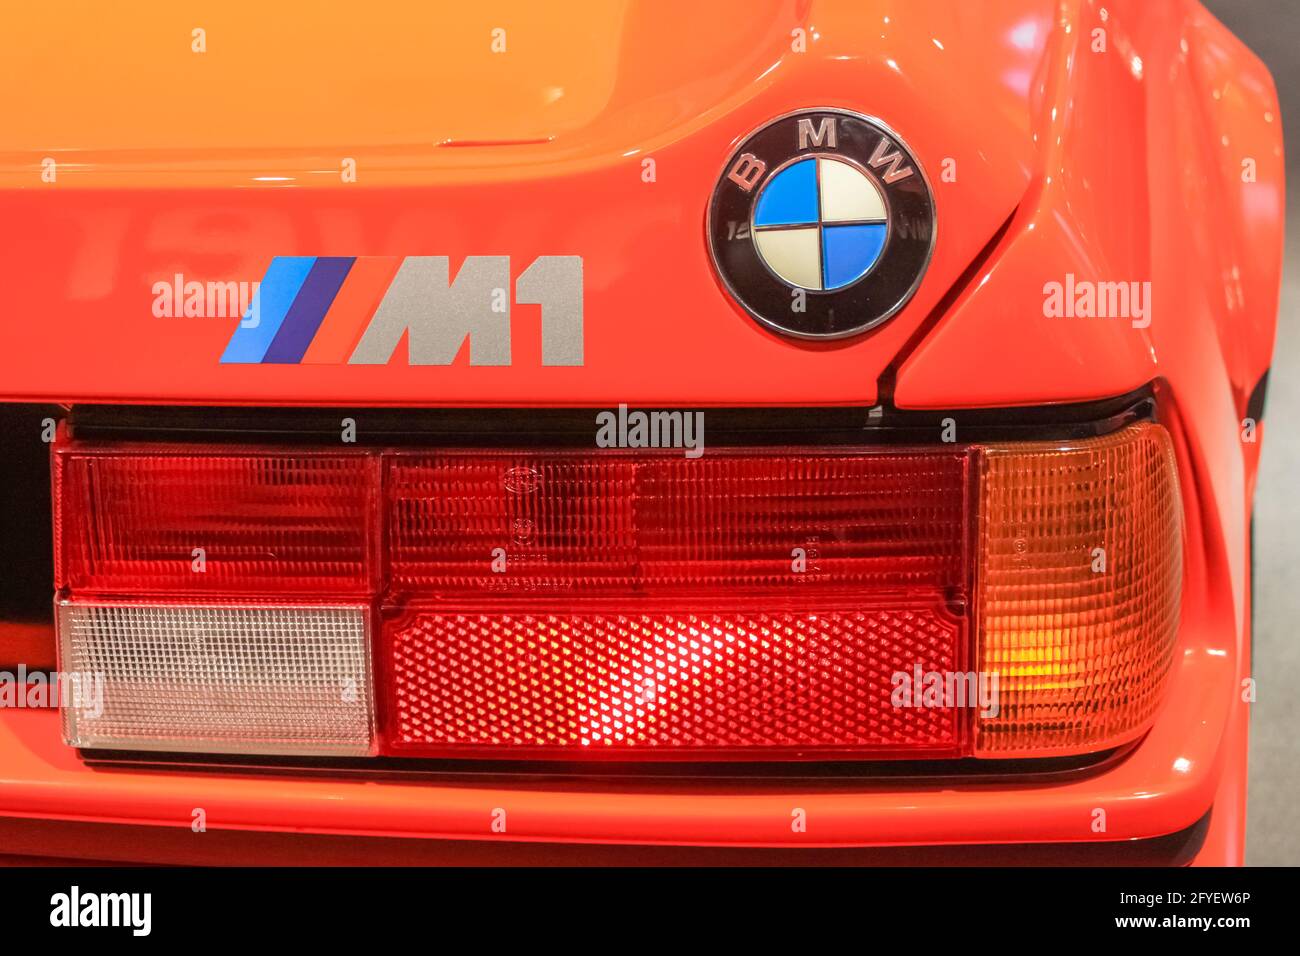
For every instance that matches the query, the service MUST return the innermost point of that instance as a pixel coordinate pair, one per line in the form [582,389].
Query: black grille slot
[26,534]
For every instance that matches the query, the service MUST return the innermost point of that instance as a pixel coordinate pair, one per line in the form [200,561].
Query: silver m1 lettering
[437,315]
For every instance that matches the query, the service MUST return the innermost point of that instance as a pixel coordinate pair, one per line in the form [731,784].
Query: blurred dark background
[1272,29]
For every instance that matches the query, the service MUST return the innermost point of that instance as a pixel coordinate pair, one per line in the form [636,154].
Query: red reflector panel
[725,684]
[622,523]
[198,521]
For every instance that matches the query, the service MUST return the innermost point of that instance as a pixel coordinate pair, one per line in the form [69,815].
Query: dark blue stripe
[308,310]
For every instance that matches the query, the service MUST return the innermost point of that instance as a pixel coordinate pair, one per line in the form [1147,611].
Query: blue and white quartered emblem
[822,224]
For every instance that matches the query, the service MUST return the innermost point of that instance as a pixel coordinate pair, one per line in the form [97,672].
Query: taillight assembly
[754,604]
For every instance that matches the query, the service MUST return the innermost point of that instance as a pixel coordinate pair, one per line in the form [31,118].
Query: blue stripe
[308,310]
[279,287]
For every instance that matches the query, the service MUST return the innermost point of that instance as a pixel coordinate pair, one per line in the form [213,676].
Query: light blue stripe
[279,287]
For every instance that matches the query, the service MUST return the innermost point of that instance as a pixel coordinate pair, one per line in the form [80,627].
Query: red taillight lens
[203,521]
[578,524]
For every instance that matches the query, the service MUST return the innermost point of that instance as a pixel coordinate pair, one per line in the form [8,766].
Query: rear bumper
[34,843]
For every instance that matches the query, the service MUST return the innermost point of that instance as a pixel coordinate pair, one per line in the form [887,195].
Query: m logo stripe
[308,310]
[275,295]
[352,310]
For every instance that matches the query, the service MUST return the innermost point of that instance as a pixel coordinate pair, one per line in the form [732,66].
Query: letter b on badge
[747,170]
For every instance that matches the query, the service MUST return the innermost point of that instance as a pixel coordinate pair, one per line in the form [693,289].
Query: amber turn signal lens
[1080,581]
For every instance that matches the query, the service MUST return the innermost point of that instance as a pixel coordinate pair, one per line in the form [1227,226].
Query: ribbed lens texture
[217,679]
[579,523]
[214,523]
[1082,649]
[741,684]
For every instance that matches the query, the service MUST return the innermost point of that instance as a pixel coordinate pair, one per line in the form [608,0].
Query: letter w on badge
[331,310]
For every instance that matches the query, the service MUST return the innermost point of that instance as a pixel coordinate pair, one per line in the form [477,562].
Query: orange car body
[600,133]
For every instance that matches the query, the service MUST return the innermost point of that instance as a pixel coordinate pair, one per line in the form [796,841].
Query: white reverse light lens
[239,679]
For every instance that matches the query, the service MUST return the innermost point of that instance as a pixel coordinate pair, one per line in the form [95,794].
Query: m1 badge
[822,224]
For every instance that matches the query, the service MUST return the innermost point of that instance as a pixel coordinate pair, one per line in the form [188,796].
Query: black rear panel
[26,538]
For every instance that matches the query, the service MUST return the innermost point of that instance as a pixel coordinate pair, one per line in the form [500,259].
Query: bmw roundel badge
[821,224]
